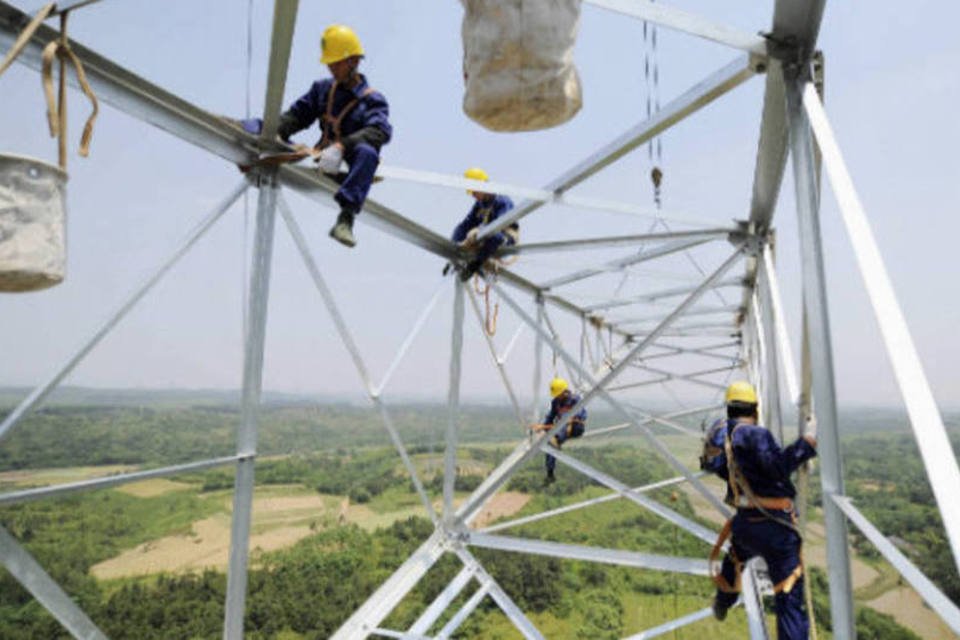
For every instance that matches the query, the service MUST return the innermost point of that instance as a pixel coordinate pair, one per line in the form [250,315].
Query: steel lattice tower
[793,124]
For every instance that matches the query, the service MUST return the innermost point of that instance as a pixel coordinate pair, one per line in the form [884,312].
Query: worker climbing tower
[632,333]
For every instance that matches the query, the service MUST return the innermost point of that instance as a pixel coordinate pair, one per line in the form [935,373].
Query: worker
[354,125]
[757,472]
[563,400]
[486,208]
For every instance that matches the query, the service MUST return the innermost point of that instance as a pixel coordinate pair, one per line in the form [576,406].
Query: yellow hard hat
[339,43]
[558,386]
[475,173]
[741,392]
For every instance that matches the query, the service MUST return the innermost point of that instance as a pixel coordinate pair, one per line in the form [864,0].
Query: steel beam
[821,351]
[436,608]
[685,22]
[673,625]
[40,393]
[671,516]
[935,449]
[935,598]
[379,605]
[348,342]
[522,454]
[284,20]
[616,495]
[29,495]
[492,482]
[665,249]
[47,592]
[659,295]
[257,298]
[504,601]
[720,82]
[617,241]
[541,196]
[463,613]
[408,341]
[692,566]
[453,405]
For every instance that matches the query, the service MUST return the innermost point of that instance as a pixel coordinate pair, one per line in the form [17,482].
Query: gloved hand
[471,238]
[252,125]
[329,159]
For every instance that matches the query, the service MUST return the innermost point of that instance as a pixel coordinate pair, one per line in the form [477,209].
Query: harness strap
[714,565]
[331,123]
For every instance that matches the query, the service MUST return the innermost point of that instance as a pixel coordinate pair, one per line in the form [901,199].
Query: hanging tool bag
[32,224]
[518,63]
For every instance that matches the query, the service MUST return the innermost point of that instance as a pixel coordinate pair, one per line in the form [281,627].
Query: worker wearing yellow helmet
[563,400]
[757,471]
[487,207]
[354,124]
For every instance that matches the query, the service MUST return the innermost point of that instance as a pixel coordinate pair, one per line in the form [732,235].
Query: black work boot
[550,479]
[470,269]
[719,611]
[342,231]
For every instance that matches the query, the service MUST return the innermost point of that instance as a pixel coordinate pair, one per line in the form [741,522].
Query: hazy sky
[892,91]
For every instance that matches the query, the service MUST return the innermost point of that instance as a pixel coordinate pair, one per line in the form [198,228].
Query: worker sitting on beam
[757,472]
[353,120]
[487,208]
[563,401]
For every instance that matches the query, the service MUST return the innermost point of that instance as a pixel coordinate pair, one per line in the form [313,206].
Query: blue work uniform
[765,468]
[356,117]
[560,406]
[484,212]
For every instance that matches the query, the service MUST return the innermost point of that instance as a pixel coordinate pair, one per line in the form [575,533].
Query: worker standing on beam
[563,401]
[487,208]
[354,125]
[757,472]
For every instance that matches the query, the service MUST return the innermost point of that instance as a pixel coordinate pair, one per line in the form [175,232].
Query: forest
[306,589]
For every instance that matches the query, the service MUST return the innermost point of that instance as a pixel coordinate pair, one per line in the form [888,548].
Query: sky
[891,95]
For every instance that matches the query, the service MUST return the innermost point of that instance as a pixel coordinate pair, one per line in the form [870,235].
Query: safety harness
[329,123]
[743,497]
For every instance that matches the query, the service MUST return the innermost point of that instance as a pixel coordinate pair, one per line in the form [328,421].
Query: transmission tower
[625,334]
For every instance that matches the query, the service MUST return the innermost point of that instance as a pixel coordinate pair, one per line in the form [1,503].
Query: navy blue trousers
[756,535]
[490,246]
[575,430]
[363,160]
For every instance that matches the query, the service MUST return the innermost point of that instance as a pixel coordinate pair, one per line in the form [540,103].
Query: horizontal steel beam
[659,295]
[720,82]
[693,566]
[704,311]
[665,249]
[941,604]
[686,22]
[28,495]
[616,241]
[542,196]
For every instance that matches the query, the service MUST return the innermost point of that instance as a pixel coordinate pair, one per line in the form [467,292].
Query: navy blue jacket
[765,466]
[367,122]
[483,212]
[561,405]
